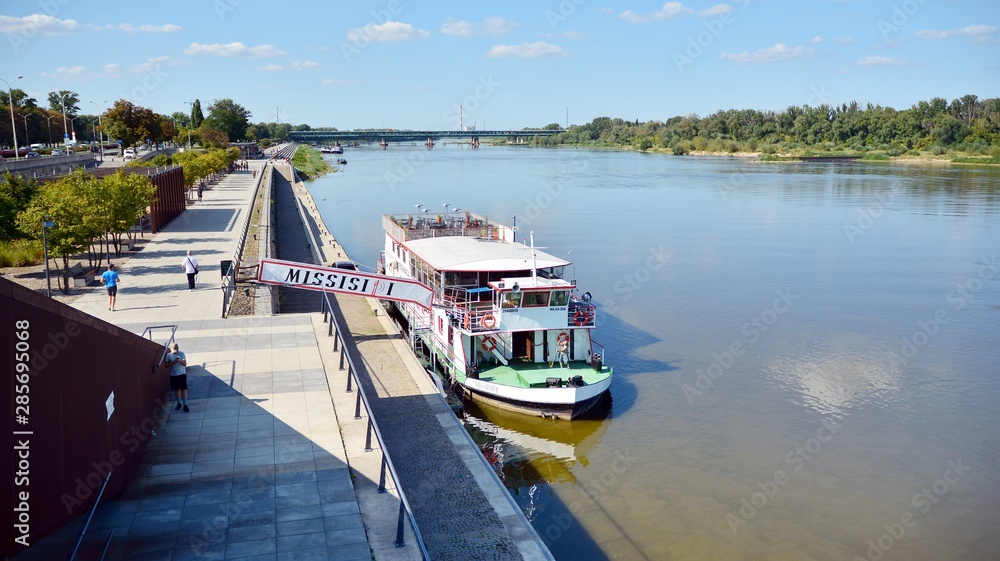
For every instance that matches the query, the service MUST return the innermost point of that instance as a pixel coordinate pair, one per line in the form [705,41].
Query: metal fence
[354,384]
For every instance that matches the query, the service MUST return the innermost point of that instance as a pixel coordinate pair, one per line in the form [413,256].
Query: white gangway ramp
[343,281]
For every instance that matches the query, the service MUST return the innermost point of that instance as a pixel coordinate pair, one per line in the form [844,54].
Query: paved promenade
[257,470]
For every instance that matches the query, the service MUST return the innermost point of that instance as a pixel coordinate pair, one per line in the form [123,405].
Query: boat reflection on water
[527,452]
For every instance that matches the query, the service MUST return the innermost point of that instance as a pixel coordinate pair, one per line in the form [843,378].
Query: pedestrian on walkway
[110,278]
[201,188]
[177,361]
[190,266]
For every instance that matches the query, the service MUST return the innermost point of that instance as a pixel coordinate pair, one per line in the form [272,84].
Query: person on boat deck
[562,353]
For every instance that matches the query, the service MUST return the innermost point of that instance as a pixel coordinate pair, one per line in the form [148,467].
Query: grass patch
[982,160]
[21,253]
[776,158]
[876,157]
[310,162]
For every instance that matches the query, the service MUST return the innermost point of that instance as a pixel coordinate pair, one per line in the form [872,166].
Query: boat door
[522,345]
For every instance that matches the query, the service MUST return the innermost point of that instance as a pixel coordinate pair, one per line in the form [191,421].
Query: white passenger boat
[501,308]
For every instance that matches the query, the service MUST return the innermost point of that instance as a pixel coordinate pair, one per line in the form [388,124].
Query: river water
[806,354]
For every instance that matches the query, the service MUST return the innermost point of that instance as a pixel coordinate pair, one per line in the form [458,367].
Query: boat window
[512,299]
[559,298]
[533,298]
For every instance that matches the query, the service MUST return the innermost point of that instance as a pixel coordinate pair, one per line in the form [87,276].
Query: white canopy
[462,253]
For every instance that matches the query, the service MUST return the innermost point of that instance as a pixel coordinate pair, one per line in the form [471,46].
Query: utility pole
[13,125]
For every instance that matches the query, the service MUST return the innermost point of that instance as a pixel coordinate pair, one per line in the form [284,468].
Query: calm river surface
[806,355]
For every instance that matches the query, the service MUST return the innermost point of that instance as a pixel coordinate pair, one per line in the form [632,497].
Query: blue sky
[403,64]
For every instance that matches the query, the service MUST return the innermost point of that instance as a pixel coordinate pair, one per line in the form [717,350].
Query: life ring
[562,337]
[489,343]
[581,317]
[488,321]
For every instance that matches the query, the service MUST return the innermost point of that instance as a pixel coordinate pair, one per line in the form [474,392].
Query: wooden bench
[80,276]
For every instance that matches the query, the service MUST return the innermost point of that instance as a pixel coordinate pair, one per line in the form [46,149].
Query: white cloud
[150,64]
[41,23]
[112,68]
[386,32]
[816,39]
[984,40]
[716,10]
[299,64]
[969,31]
[775,53]
[235,49]
[460,28]
[526,50]
[668,10]
[165,28]
[883,61]
[492,26]
[269,68]
[339,82]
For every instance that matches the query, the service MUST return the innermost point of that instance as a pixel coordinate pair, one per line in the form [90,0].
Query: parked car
[129,154]
[57,152]
[32,154]
[349,265]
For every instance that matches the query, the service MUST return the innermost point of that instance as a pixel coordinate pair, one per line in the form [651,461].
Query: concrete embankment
[460,506]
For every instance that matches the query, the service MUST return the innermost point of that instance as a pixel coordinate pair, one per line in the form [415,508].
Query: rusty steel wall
[58,440]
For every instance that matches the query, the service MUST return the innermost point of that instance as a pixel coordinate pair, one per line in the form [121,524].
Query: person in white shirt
[190,266]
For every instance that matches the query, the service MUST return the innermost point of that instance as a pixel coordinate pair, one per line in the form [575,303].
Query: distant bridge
[320,137]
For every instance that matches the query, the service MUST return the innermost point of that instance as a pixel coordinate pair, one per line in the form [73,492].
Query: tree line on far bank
[966,124]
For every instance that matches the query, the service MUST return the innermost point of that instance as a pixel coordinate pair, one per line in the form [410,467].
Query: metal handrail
[173,330]
[93,509]
[336,331]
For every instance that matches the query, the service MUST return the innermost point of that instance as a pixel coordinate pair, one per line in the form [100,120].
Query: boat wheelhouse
[501,310]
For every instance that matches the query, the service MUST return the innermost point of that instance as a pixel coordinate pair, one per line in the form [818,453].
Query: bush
[938,150]
[680,150]
[768,149]
[994,151]
[21,253]
[893,152]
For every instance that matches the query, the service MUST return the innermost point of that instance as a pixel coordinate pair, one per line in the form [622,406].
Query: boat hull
[583,399]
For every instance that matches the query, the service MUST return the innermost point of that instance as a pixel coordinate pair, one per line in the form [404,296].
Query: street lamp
[49,118]
[99,124]
[190,123]
[65,126]
[13,126]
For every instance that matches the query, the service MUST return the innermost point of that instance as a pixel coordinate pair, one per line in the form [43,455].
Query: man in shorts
[178,376]
[110,278]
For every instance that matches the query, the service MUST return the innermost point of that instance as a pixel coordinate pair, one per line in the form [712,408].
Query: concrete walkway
[257,470]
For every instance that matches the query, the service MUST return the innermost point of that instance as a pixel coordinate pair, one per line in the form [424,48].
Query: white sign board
[341,281]
[109,404]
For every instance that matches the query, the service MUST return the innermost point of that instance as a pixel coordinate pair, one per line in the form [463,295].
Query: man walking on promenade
[178,376]
[110,278]
[190,266]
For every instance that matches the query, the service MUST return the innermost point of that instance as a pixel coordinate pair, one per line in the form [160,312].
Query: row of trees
[197,165]
[967,123]
[84,210]
[37,124]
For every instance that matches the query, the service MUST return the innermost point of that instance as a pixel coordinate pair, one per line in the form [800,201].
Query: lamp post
[65,126]
[49,118]
[190,123]
[26,142]
[13,125]
[99,124]
[45,249]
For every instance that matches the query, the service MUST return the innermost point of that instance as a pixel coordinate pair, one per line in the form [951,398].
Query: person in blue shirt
[110,278]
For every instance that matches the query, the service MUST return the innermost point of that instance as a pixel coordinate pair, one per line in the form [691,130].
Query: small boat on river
[501,311]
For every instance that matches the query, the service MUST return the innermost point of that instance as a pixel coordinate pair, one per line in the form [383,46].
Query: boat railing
[354,383]
[597,351]
[581,314]
[478,317]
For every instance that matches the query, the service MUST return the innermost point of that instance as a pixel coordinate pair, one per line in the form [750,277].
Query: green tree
[16,193]
[132,123]
[229,117]
[196,115]
[120,198]
[64,202]
[180,119]
[71,99]
[212,137]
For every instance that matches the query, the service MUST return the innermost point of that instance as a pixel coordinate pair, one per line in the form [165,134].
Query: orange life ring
[562,337]
[489,343]
[581,317]
[488,321]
